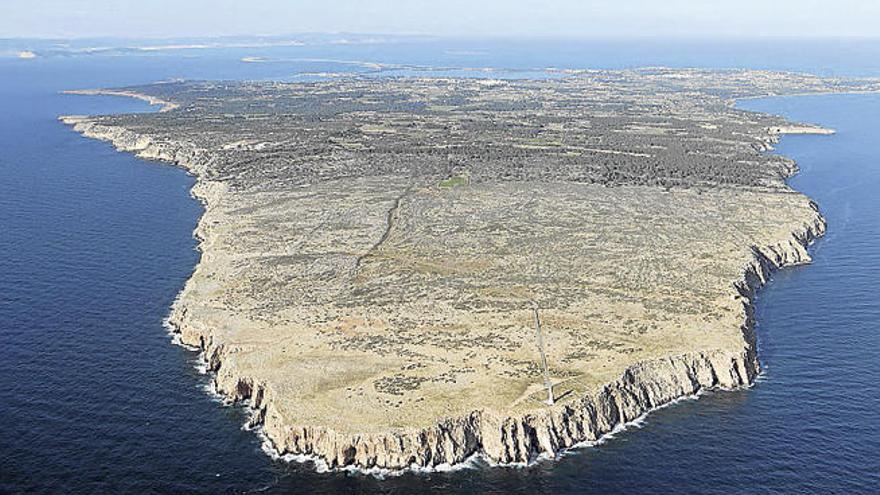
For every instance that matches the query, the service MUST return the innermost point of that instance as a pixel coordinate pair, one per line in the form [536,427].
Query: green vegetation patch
[455,181]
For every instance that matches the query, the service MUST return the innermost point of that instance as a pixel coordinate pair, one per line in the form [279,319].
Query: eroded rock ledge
[379,320]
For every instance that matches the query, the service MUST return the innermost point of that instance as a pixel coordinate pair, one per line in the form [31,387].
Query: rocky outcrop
[181,154]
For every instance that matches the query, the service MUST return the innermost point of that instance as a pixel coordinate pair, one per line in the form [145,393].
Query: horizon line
[448,37]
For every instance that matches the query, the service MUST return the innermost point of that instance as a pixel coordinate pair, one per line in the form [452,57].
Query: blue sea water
[95,244]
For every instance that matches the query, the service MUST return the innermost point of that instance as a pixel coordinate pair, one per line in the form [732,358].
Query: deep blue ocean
[95,244]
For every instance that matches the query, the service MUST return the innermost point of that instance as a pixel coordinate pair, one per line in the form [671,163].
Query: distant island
[399,272]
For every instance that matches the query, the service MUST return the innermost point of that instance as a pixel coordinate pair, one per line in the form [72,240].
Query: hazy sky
[569,18]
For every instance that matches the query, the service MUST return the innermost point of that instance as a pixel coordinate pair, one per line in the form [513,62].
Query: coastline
[644,387]
[167,106]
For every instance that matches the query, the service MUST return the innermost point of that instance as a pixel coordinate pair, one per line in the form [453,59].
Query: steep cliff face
[504,439]
[500,437]
[181,154]
[521,439]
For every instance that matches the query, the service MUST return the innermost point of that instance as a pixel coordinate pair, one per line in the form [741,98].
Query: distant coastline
[167,106]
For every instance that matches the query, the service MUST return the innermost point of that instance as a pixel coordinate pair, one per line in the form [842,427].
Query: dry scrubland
[372,249]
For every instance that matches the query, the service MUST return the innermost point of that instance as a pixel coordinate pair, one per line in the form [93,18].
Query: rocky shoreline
[501,438]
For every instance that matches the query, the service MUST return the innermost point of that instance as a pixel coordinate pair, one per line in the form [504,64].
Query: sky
[456,18]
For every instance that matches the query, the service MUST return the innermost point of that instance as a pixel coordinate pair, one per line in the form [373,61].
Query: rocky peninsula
[376,252]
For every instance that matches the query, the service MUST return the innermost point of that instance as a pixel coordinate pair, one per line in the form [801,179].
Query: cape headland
[376,252]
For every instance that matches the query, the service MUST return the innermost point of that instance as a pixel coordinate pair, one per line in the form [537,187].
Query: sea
[95,244]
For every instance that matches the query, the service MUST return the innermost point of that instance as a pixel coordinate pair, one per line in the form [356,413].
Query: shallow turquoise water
[95,244]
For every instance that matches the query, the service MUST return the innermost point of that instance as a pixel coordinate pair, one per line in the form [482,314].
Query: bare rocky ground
[373,249]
